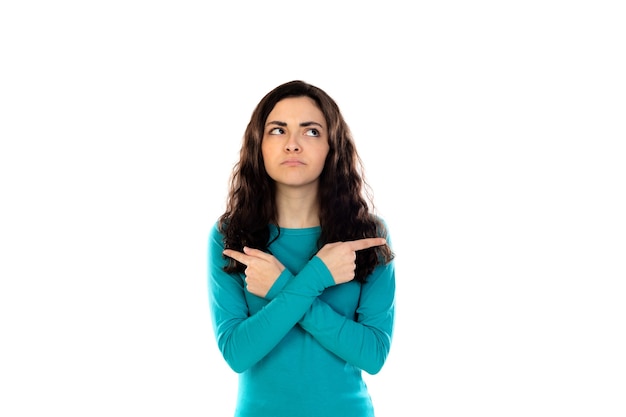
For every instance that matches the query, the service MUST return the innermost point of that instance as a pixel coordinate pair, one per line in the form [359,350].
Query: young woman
[301,273]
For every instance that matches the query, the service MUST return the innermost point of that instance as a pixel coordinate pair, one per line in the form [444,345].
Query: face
[295,143]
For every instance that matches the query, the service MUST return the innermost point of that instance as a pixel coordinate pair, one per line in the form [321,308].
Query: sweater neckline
[287,231]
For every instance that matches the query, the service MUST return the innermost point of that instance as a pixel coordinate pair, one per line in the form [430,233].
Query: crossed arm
[293,299]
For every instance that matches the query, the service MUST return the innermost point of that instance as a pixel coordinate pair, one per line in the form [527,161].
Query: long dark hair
[345,200]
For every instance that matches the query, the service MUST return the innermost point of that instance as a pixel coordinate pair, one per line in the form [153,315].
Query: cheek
[266,155]
[321,159]
[269,144]
[265,150]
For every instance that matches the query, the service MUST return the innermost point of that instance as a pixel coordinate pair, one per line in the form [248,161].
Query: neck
[297,209]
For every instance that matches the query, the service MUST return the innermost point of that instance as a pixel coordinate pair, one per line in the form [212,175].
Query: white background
[493,137]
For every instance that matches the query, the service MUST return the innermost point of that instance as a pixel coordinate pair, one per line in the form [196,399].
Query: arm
[364,342]
[243,339]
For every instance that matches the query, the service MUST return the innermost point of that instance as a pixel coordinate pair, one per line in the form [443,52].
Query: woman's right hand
[340,257]
[262,269]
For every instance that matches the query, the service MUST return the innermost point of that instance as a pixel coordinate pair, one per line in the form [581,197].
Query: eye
[276,131]
[312,132]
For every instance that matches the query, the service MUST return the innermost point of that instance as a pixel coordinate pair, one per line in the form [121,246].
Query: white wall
[493,136]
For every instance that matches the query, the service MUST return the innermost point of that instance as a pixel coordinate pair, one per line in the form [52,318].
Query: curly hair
[346,205]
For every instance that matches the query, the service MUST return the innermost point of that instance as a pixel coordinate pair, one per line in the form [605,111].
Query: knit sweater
[300,350]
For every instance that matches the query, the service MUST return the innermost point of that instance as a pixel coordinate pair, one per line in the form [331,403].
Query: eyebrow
[303,124]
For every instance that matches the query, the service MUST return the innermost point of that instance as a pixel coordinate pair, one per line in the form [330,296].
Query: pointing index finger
[238,256]
[366,243]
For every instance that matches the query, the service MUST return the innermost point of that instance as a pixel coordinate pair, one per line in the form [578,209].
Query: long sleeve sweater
[300,350]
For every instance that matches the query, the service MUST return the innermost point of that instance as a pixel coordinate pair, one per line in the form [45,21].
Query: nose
[292,144]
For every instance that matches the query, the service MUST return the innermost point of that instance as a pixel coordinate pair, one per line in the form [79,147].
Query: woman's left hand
[262,269]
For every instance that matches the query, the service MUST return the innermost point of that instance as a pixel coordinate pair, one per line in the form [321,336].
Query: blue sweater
[299,351]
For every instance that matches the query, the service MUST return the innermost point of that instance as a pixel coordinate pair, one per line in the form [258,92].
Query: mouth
[292,162]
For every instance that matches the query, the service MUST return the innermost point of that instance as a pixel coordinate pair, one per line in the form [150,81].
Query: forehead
[297,108]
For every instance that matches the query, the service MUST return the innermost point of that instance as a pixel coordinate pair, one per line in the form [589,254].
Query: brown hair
[346,206]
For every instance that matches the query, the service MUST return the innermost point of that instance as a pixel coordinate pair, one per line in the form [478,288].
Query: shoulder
[215,233]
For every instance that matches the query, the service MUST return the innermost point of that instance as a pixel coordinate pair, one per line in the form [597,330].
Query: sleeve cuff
[279,284]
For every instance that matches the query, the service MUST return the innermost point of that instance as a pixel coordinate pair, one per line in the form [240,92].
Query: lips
[292,162]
